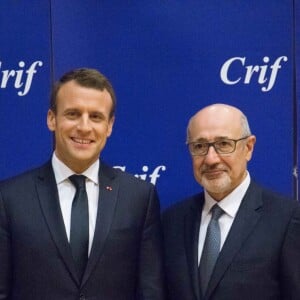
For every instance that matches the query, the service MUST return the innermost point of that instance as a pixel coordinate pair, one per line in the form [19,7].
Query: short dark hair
[90,78]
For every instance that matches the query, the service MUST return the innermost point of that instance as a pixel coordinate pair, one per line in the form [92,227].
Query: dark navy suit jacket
[260,259]
[35,257]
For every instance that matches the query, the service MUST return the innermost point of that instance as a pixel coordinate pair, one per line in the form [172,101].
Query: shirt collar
[63,172]
[231,203]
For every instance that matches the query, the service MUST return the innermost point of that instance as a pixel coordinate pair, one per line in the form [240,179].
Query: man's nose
[212,155]
[84,123]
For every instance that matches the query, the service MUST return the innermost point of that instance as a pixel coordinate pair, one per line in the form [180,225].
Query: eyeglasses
[223,146]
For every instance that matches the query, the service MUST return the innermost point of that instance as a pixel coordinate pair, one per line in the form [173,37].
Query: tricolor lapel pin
[109,188]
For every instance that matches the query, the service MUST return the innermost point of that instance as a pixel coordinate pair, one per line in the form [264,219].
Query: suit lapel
[108,195]
[192,225]
[49,201]
[244,223]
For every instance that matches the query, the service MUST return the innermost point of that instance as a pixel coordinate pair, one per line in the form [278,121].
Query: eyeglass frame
[209,144]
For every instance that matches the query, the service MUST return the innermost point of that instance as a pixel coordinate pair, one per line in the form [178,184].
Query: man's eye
[71,114]
[224,144]
[199,146]
[96,117]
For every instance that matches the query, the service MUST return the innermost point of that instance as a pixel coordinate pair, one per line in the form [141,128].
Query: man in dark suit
[248,246]
[106,244]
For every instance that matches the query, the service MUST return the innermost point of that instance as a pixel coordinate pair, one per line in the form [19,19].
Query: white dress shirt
[230,205]
[66,193]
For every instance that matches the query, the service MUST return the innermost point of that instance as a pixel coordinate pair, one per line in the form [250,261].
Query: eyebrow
[217,138]
[79,110]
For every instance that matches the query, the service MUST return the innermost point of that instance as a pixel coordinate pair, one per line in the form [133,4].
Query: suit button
[81,297]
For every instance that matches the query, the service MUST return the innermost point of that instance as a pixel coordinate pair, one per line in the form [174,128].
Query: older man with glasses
[236,240]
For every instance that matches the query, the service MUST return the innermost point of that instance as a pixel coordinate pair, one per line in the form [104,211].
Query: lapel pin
[109,188]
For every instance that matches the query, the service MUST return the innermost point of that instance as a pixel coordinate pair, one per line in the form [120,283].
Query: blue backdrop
[166,60]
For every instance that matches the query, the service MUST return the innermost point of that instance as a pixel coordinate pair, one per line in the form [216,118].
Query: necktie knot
[78,181]
[216,212]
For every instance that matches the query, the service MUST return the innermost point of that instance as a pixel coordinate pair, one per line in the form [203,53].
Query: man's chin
[216,186]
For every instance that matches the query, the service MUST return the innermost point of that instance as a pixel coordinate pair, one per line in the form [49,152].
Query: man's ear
[250,146]
[51,120]
[110,126]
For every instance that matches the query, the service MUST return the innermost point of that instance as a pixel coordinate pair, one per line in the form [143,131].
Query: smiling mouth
[81,141]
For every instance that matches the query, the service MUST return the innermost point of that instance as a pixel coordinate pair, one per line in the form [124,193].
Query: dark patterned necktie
[211,248]
[79,234]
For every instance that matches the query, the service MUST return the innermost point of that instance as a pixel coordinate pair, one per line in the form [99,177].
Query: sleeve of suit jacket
[151,273]
[290,259]
[5,262]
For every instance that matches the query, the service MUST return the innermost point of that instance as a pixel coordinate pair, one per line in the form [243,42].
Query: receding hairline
[243,119]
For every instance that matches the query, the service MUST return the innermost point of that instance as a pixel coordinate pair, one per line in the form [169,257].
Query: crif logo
[20,78]
[236,70]
[152,175]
